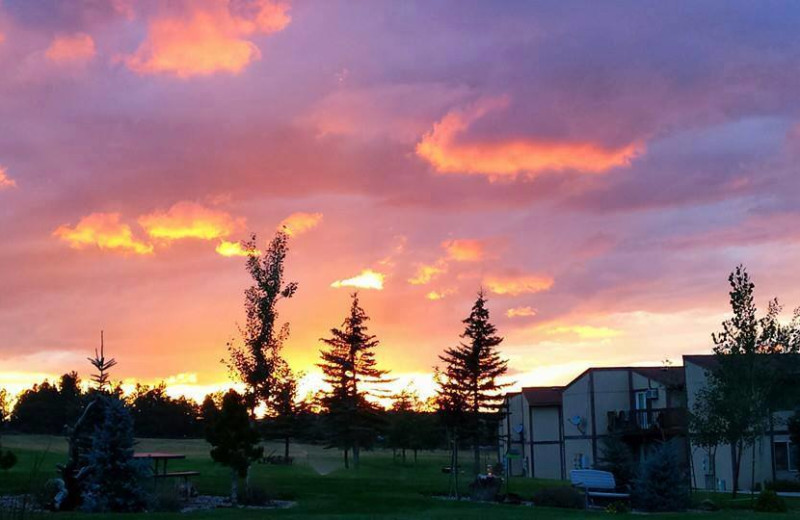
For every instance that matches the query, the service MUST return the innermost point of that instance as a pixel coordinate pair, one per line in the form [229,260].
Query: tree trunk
[455,465]
[234,487]
[476,452]
[404,455]
[753,475]
[356,455]
[286,450]
[346,459]
[736,459]
[476,434]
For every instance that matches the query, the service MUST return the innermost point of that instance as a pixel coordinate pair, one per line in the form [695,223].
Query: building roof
[543,395]
[667,376]
[707,361]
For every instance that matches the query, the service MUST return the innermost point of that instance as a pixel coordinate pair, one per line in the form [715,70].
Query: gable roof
[668,376]
[707,361]
[543,395]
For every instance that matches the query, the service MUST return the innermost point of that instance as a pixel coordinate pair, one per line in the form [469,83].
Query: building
[548,431]
[772,457]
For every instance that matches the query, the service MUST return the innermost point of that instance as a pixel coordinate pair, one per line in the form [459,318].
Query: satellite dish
[578,422]
[519,428]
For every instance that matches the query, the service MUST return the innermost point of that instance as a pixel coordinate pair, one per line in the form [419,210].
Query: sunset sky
[598,169]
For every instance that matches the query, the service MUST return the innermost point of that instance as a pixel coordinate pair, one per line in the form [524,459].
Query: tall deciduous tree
[743,390]
[255,362]
[471,371]
[350,368]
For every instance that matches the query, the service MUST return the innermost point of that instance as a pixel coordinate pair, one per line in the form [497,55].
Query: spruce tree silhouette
[471,370]
[350,368]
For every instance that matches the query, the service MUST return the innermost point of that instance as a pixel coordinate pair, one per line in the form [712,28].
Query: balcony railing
[655,420]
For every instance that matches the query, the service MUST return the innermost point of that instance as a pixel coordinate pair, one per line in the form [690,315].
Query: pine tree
[350,368]
[115,479]
[616,457]
[471,372]
[255,363]
[662,484]
[102,365]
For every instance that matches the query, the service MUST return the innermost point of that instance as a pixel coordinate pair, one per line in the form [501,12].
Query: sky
[598,168]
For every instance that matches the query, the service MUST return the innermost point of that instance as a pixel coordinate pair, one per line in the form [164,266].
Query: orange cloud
[464,250]
[5,180]
[368,279]
[71,48]
[516,285]
[585,331]
[298,223]
[443,150]
[211,38]
[105,231]
[521,312]
[426,273]
[226,248]
[439,295]
[189,220]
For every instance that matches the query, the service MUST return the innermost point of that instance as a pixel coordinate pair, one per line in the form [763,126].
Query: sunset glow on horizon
[596,172]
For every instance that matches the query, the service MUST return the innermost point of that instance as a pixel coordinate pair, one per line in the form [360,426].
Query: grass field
[322,488]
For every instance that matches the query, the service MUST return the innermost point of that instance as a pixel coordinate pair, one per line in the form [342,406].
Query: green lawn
[381,488]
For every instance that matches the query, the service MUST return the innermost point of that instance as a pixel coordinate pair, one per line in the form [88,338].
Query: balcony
[655,421]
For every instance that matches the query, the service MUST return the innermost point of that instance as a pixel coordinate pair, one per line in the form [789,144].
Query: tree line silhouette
[345,416]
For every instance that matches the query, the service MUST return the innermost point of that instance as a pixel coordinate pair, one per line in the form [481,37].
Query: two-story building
[548,431]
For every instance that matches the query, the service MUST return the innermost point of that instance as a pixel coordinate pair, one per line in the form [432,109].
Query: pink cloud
[464,250]
[6,181]
[211,36]
[71,48]
[514,285]
[300,222]
[443,148]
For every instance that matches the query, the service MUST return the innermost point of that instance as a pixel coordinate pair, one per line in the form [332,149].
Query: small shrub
[7,459]
[769,502]
[51,494]
[166,501]
[784,485]
[708,505]
[618,507]
[560,496]
[485,488]
[254,496]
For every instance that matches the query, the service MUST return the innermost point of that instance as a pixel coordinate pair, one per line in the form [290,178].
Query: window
[579,461]
[641,404]
[786,455]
